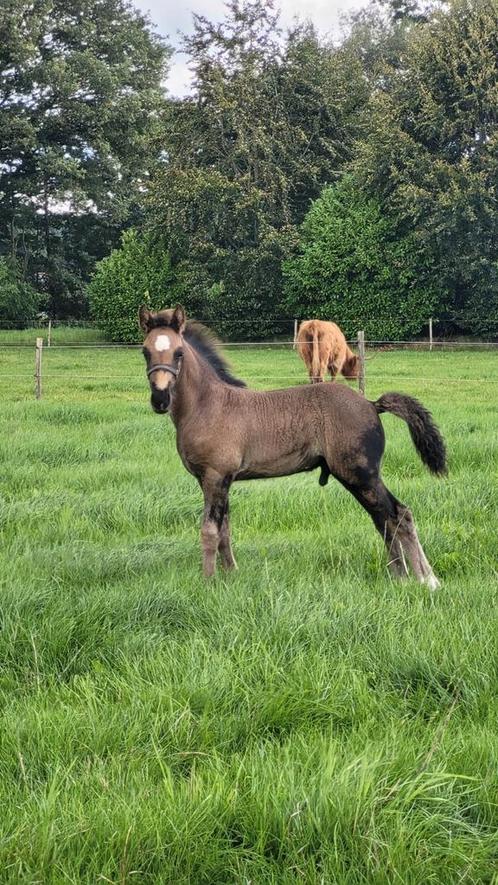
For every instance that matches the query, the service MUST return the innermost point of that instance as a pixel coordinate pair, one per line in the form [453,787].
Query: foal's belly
[267,473]
[282,464]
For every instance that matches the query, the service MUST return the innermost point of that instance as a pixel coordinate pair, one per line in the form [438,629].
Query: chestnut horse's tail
[426,436]
[315,357]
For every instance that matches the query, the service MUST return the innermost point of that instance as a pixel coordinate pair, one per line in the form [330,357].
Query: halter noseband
[162,367]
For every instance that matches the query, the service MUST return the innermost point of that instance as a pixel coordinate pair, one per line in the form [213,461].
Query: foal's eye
[178,353]
[145,353]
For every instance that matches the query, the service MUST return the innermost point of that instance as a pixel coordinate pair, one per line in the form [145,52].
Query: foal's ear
[179,319]
[144,318]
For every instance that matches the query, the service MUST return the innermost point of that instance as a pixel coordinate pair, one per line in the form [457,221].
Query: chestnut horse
[322,346]
[225,433]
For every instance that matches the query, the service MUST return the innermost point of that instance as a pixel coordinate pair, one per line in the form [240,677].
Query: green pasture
[59,334]
[305,719]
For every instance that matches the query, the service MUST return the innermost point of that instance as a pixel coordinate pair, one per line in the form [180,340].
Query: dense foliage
[270,122]
[137,273]
[354,268]
[18,300]
[431,157]
[388,138]
[406,105]
[80,91]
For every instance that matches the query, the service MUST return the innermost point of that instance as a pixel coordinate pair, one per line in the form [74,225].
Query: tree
[431,157]
[266,128]
[138,272]
[80,94]
[353,269]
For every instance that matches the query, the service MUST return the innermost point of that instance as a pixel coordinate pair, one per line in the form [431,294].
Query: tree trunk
[46,218]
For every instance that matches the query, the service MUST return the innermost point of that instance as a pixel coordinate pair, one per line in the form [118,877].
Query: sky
[173,16]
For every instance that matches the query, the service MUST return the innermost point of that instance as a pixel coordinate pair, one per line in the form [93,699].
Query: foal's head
[163,352]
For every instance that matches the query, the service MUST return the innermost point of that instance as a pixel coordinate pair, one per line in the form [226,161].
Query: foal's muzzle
[160,400]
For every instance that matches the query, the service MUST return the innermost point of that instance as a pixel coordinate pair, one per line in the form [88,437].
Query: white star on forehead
[162,342]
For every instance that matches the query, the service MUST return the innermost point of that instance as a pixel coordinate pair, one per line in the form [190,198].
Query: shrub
[138,272]
[352,268]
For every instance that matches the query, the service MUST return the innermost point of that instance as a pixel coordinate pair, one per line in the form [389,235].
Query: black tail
[424,433]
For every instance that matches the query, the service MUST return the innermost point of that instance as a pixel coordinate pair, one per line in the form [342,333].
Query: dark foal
[225,432]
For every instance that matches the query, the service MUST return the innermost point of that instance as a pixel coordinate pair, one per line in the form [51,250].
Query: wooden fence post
[361,355]
[430,334]
[49,333]
[295,335]
[38,368]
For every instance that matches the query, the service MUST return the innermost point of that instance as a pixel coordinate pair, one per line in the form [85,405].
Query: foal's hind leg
[376,499]
[395,523]
[413,548]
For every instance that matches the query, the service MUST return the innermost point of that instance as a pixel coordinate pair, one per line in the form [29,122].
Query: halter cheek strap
[162,367]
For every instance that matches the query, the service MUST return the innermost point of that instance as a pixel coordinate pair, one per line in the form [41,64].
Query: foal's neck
[195,379]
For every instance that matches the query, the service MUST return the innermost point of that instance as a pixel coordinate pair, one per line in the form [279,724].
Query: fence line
[299,378]
[463,345]
[257,378]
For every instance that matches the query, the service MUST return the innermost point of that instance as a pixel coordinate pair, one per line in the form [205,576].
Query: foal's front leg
[215,488]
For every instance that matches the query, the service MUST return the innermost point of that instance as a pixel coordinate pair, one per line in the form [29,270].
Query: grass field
[303,720]
[59,335]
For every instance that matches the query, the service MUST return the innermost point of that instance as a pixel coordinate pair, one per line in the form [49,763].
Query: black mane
[207,346]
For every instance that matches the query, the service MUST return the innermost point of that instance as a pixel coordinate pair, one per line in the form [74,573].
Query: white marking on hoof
[431,581]
[162,342]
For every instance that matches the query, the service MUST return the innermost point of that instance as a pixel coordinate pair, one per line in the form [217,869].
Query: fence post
[49,333]
[430,334]
[295,335]
[361,355]
[38,368]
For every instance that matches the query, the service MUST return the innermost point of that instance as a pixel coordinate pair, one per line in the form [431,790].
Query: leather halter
[162,367]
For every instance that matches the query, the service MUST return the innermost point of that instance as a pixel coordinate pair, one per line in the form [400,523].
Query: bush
[18,300]
[138,272]
[352,268]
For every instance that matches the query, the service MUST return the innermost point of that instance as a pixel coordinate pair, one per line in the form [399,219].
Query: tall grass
[303,720]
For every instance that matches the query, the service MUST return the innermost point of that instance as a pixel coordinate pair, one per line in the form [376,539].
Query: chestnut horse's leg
[323,369]
[215,488]
[333,368]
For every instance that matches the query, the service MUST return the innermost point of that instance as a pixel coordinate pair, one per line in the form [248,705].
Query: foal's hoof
[431,581]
